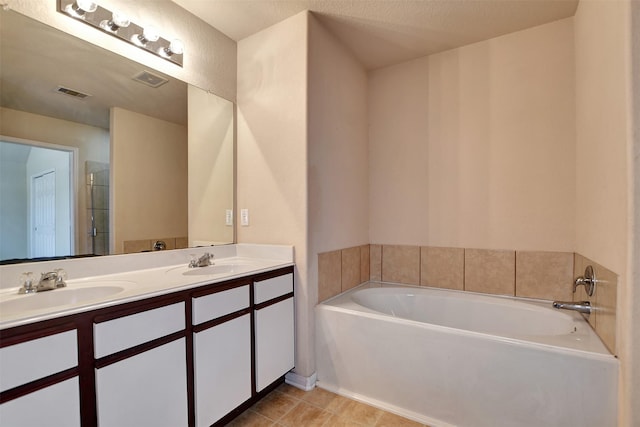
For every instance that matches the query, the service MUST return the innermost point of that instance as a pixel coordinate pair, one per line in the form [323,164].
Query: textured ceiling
[385,32]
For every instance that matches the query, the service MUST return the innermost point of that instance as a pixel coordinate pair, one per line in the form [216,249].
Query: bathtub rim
[602,353]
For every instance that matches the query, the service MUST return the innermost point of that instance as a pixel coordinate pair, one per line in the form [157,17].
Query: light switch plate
[244,217]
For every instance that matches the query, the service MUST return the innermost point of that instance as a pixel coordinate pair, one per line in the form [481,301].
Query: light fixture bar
[116,24]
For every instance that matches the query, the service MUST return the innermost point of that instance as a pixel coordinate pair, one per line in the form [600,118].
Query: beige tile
[489,271]
[304,414]
[133,246]
[182,242]
[361,413]
[401,264]
[337,421]
[606,303]
[321,398]
[365,267]
[329,274]
[392,420]
[442,267]
[579,265]
[275,405]
[350,268]
[251,419]
[292,391]
[375,262]
[545,275]
[337,404]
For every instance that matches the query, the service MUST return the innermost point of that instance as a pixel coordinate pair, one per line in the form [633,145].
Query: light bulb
[149,34]
[175,47]
[118,20]
[78,8]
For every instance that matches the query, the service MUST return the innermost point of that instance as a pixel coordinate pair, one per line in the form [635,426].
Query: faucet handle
[26,280]
[61,277]
[588,281]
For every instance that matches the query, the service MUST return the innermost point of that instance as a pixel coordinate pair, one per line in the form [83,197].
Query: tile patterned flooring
[288,406]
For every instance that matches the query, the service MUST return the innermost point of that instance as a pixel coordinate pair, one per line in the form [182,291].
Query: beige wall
[272,154]
[602,123]
[149,178]
[210,181]
[92,144]
[209,58]
[475,147]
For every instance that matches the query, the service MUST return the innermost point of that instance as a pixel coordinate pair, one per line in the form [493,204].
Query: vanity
[171,346]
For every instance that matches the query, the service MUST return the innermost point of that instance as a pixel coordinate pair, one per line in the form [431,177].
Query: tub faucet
[580,307]
[203,261]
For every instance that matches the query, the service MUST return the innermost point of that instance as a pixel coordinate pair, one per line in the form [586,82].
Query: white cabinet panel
[35,359]
[274,342]
[265,290]
[220,304]
[56,405]
[222,369]
[128,331]
[149,389]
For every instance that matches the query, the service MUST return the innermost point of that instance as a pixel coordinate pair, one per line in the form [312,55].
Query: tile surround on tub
[542,275]
[490,271]
[442,267]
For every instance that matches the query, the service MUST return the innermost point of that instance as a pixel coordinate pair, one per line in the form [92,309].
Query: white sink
[219,269]
[61,297]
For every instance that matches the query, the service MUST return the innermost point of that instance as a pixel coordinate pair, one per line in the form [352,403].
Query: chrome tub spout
[581,307]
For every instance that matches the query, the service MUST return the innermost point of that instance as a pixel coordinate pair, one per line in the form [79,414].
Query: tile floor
[290,407]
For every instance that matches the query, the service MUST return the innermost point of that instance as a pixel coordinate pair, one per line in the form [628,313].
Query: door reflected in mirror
[152,167]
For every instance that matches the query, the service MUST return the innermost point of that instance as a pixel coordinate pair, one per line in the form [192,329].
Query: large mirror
[101,155]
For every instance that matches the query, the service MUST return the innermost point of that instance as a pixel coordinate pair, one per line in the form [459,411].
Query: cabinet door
[148,389]
[56,405]
[222,357]
[274,342]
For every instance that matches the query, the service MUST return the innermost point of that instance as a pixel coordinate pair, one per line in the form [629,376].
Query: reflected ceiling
[385,32]
[48,58]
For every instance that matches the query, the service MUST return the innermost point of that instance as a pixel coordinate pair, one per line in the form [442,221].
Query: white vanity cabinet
[274,328]
[141,368]
[195,357]
[222,351]
[39,380]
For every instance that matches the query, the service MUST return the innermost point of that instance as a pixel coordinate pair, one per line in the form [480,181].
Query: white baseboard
[301,382]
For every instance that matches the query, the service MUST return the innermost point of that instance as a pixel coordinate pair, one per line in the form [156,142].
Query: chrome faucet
[203,261]
[48,281]
[580,307]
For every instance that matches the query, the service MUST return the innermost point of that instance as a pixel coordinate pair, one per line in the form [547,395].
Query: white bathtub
[448,358]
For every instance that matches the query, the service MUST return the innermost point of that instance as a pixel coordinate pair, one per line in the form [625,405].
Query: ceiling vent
[150,79]
[71,92]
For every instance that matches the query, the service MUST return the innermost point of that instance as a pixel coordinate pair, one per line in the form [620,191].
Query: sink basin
[60,297]
[219,269]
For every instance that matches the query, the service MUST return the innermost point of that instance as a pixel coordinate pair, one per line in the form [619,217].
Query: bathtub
[451,358]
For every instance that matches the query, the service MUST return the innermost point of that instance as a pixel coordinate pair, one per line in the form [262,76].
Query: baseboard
[301,382]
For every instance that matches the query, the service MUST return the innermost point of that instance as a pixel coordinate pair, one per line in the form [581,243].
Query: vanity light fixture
[119,25]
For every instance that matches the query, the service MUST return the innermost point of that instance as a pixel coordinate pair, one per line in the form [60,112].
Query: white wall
[148,177]
[603,210]
[211,167]
[475,147]
[92,143]
[209,58]
[272,154]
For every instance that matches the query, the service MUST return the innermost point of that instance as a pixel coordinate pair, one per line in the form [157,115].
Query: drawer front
[220,304]
[128,331]
[266,290]
[38,358]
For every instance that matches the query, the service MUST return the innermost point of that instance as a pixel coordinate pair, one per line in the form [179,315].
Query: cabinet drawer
[38,358]
[220,304]
[265,290]
[128,331]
